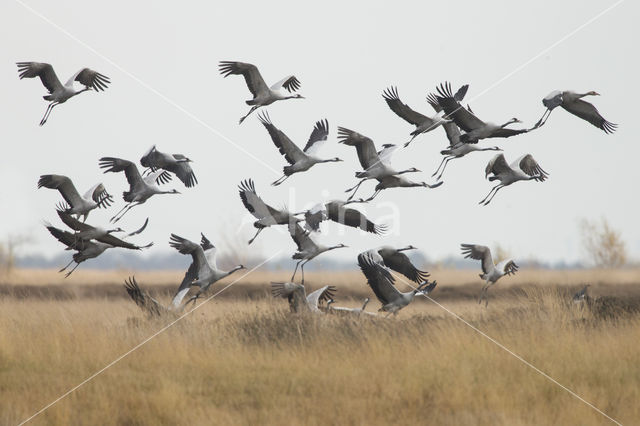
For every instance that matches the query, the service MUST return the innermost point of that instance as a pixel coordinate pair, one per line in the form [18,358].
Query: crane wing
[292,153]
[250,72]
[44,71]
[464,118]
[252,202]
[379,278]
[290,82]
[92,79]
[353,218]
[314,216]
[182,169]
[319,134]
[72,222]
[588,112]
[402,110]
[478,252]
[302,238]
[318,297]
[114,165]
[401,263]
[367,154]
[450,128]
[498,164]
[64,185]
[148,304]
[528,165]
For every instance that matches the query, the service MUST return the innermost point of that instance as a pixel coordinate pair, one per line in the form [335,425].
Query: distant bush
[602,244]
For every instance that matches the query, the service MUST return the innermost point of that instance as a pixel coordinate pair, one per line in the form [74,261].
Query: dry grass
[248,361]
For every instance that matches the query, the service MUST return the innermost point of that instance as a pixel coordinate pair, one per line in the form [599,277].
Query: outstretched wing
[44,71]
[353,218]
[402,110]
[531,167]
[286,147]
[250,72]
[464,118]
[148,304]
[318,297]
[401,263]
[320,133]
[314,216]
[290,82]
[183,170]
[588,112]
[478,252]
[379,278]
[252,202]
[92,79]
[114,165]
[450,128]
[367,154]
[64,185]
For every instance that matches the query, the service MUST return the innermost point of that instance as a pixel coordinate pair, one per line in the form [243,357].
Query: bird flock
[382,266]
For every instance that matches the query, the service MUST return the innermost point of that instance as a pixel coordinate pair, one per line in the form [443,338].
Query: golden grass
[248,361]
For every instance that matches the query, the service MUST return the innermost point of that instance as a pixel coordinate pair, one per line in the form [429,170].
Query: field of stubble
[242,358]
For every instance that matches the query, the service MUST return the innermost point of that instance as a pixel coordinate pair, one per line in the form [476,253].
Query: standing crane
[262,94]
[203,271]
[299,160]
[475,128]
[266,215]
[140,188]
[177,164]
[572,102]
[524,168]
[96,197]
[59,93]
[382,283]
[307,248]
[490,272]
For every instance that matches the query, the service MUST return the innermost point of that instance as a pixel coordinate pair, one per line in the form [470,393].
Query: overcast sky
[166,90]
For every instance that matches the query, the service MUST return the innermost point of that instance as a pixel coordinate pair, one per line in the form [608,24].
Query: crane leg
[122,212]
[250,111]
[68,264]
[280,180]
[71,271]
[542,120]
[302,270]
[490,192]
[256,236]
[441,164]
[355,189]
[494,194]
[47,112]
[445,166]
[375,194]
[411,140]
[295,270]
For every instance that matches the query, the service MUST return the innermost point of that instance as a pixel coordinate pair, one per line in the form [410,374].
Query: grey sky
[345,54]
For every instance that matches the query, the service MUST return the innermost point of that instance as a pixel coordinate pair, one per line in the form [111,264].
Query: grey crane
[475,128]
[582,294]
[140,188]
[375,164]
[299,160]
[262,94]
[144,300]
[298,299]
[524,168]
[341,310]
[87,249]
[203,271]
[382,283]
[490,272]
[86,232]
[396,181]
[80,205]
[59,93]
[423,123]
[307,248]
[178,164]
[456,149]
[337,211]
[396,260]
[573,102]
[266,215]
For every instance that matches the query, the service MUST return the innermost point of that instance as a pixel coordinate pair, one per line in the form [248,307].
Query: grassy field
[242,358]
